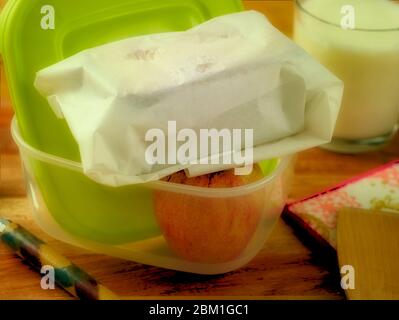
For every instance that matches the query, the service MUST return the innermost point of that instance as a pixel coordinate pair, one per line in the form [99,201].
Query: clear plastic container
[207,231]
[227,227]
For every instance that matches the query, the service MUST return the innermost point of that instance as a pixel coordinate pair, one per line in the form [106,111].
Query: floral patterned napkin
[377,189]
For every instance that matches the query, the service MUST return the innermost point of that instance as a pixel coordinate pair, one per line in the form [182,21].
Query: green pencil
[38,254]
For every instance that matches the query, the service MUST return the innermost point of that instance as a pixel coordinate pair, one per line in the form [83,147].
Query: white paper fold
[236,71]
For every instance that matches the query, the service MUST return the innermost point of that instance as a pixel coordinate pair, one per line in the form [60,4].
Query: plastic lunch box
[121,221]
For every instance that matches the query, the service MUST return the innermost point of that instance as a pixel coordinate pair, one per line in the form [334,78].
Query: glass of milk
[358,40]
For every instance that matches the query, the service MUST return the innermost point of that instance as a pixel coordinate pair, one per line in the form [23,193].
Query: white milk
[367,61]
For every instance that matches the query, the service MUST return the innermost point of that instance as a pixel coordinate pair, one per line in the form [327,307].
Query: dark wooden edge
[311,239]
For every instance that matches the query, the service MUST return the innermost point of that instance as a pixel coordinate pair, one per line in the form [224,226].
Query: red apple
[210,229]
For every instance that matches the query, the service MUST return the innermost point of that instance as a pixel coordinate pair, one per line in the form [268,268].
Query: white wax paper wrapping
[235,71]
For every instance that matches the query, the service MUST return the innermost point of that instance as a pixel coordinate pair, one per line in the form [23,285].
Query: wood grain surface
[284,268]
[368,242]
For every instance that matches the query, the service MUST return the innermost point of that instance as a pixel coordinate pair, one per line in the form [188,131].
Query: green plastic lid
[29,44]
[38,33]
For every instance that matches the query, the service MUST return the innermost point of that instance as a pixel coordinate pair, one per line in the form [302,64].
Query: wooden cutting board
[368,241]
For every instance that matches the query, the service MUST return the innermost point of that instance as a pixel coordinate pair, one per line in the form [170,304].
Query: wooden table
[284,268]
